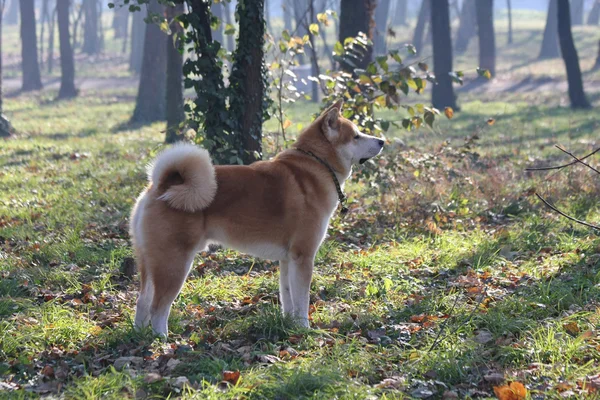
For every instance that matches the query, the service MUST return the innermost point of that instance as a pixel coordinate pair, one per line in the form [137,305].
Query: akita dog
[277,209]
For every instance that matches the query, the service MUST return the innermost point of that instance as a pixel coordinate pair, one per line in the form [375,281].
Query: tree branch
[578,159]
[565,215]
[564,165]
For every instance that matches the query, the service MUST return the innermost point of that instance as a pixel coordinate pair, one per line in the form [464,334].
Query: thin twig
[564,165]
[567,216]
[577,159]
[444,324]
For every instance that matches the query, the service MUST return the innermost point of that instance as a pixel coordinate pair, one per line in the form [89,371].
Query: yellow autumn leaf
[287,123]
[449,112]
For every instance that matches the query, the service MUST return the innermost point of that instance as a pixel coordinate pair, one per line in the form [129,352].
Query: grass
[447,276]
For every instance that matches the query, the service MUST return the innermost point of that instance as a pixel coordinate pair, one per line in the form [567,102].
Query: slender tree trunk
[570,57]
[248,78]
[267,15]
[382,12]
[67,64]
[174,99]
[43,19]
[400,16]
[594,15]
[76,24]
[230,44]
[597,64]
[125,34]
[5,127]
[424,16]
[577,10]
[91,42]
[550,48]
[120,22]
[287,15]
[487,37]
[12,14]
[150,102]
[217,10]
[442,94]
[467,27]
[29,53]
[138,33]
[51,35]
[510,26]
[357,16]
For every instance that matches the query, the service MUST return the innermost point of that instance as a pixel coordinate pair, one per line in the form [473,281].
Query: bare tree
[138,33]
[174,91]
[467,27]
[550,48]
[287,15]
[510,27]
[570,57]
[67,63]
[594,15]
[442,94]
[381,24]
[12,15]
[51,29]
[150,101]
[5,127]
[597,63]
[577,10]
[401,13]
[120,22]
[91,39]
[487,37]
[424,16]
[29,52]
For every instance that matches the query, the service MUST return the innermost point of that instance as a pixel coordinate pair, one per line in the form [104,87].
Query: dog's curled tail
[184,177]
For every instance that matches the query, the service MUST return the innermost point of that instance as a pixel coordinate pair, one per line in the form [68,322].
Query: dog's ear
[330,123]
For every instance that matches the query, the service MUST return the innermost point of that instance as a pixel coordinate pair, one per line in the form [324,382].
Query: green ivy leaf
[314,29]
[229,29]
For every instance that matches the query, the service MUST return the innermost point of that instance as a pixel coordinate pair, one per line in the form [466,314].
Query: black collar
[341,196]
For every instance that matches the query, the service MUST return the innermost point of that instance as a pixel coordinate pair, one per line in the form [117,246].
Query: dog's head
[351,145]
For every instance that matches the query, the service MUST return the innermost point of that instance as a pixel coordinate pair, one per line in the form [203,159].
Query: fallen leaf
[231,376]
[514,391]
[449,112]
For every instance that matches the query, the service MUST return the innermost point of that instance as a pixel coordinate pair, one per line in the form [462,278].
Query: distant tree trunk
[5,127]
[597,64]
[247,78]
[550,48]
[287,15]
[487,37]
[217,10]
[400,16]
[577,8]
[424,16]
[510,28]
[230,44]
[76,24]
[357,16]
[442,94]
[382,12]
[12,14]
[467,28]
[267,15]
[594,15]
[138,33]
[91,40]
[570,57]
[174,99]
[43,19]
[120,22]
[150,102]
[67,64]
[51,29]
[29,53]
[300,18]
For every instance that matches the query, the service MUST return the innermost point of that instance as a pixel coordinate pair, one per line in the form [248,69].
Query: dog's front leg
[300,275]
[287,305]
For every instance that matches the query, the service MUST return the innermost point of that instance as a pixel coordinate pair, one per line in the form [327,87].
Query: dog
[277,209]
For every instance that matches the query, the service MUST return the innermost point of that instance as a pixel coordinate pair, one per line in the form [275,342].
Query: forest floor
[447,279]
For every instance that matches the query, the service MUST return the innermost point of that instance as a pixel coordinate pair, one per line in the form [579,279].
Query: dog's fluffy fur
[277,209]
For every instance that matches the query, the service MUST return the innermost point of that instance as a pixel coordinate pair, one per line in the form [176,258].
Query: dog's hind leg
[287,306]
[144,301]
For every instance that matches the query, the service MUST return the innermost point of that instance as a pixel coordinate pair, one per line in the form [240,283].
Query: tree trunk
[51,29]
[597,64]
[467,28]
[424,16]
[594,15]
[150,101]
[174,99]
[12,14]
[357,16]
[120,22]
[248,79]
[29,52]
[67,64]
[442,94]
[550,48]
[577,9]
[5,127]
[230,44]
[487,37]
[401,13]
[287,15]
[510,26]
[381,23]
[217,10]
[570,57]
[138,33]
[91,40]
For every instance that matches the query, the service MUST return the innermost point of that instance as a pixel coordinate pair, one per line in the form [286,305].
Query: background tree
[442,94]
[357,16]
[91,39]
[570,57]
[150,101]
[597,63]
[287,15]
[382,11]
[594,15]
[12,12]
[550,48]
[467,27]
[487,37]
[577,10]
[424,16]
[67,63]
[401,13]
[138,34]
[174,90]
[29,51]
[5,127]
[120,22]
[510,28]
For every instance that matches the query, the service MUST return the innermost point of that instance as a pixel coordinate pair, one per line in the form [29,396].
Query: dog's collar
[341,196]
